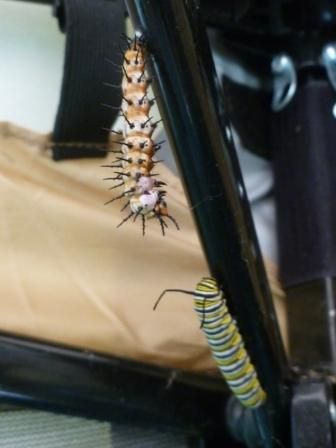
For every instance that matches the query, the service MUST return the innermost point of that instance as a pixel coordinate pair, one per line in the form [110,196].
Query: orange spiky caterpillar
[135,164]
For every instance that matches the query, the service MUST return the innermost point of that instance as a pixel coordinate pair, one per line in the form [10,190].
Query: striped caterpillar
[135,164]
[225,341]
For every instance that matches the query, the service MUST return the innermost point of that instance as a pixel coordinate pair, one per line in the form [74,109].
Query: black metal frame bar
[40,2]
[79,382]
[195,119]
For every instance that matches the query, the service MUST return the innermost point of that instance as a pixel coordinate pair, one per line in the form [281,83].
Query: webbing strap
[93,31]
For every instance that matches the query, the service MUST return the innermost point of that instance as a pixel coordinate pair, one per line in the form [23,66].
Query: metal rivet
[241,190]
[228,132]
[334,110]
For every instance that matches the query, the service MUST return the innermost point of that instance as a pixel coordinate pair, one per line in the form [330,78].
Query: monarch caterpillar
[134,166]
[225,341]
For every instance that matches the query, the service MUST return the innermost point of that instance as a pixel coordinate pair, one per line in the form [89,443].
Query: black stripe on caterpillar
[225,341]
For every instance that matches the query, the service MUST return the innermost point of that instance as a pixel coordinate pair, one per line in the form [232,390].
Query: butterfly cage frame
[45,376]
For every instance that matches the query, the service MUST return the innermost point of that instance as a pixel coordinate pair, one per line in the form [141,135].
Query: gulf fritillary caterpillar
[134,166]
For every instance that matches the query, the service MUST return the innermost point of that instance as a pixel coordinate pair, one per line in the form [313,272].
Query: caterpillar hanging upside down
[135,164]
[225,341]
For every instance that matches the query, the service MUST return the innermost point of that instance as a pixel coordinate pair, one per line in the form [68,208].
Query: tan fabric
[68,275]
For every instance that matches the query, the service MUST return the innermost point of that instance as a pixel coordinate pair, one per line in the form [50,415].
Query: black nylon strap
[93,31]
[304,161]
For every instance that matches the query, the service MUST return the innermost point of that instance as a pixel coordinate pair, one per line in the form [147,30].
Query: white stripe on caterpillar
[225,342]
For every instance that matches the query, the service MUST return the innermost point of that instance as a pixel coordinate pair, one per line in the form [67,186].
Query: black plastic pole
[41,2]
[190,103]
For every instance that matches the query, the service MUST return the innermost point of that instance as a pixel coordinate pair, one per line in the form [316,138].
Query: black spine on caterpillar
[133,169]
[225,341]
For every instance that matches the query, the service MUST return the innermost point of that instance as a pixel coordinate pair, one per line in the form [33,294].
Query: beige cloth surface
[68,275]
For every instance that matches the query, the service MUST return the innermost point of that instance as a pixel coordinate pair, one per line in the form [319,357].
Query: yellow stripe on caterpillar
[230,356]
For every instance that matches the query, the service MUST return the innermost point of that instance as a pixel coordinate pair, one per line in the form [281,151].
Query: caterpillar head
[144,203]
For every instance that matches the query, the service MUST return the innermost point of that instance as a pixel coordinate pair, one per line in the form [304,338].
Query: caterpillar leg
[117,186]
[143,225]
[163,224]
[174,221]
[113,178]
[125,206]
[125,219]
[122,195]
[112,166]
[137,214]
